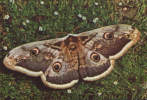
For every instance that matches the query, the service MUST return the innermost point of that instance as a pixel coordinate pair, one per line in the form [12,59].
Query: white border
[9,63]
[136,37]
[94,78]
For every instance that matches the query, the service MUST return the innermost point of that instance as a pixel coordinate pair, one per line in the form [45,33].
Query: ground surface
[23,21]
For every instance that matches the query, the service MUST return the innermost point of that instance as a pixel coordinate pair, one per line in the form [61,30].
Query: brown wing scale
[61,62]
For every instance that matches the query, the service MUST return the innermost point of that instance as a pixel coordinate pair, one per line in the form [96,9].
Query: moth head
[89,55]
[38,60]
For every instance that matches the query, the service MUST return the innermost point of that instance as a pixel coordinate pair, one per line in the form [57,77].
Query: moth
[61,62]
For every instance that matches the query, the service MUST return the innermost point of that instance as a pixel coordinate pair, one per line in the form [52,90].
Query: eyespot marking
[57,66]
[108,35]
[35,51]
[95,57]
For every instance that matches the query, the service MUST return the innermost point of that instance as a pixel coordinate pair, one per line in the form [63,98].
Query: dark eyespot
[108,36]
[57,66]
[35,51]
[95,57]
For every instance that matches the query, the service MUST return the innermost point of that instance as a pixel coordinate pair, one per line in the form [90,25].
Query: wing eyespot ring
[35,51]
[57,66]
[95,57]
[108,35]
